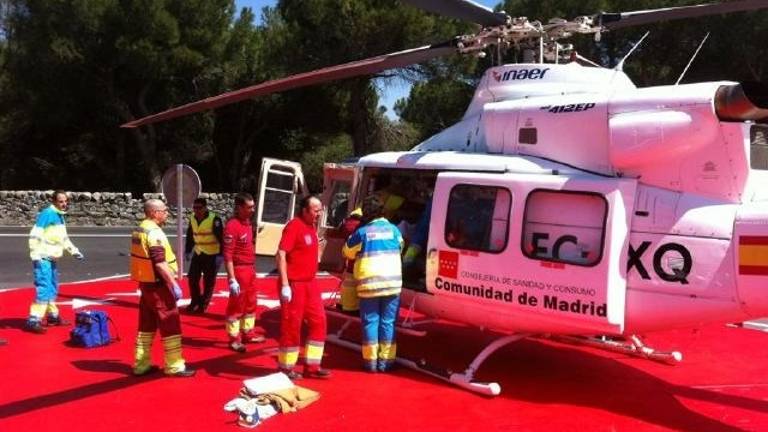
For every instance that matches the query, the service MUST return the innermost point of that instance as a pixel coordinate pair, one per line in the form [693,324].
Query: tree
[81,68]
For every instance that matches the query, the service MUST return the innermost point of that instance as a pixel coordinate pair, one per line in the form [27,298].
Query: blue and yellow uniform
[376,248]
[47,242]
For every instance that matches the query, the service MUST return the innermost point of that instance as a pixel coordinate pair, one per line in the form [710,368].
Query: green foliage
[72,71]
[435,104]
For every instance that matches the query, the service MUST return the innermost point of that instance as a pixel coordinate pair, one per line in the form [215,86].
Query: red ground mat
[722,383]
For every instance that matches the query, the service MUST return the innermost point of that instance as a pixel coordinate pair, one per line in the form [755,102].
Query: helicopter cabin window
[566,227]
[278,195]
[478,218]
[758,138]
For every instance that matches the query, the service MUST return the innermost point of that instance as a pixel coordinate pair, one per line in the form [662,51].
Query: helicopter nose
[742,102]
[751,256]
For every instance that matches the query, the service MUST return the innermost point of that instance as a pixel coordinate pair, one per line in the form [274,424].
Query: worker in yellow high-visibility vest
[203,252]
[153,266]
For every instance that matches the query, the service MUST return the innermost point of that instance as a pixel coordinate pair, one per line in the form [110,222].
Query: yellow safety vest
[146,235]
[205,241]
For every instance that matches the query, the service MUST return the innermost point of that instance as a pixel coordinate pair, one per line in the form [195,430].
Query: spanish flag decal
[753,255]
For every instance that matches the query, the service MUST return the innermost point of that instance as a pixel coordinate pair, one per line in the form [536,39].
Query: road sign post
[181,185]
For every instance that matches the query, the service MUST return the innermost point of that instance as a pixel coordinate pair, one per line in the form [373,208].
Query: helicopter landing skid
[633,346]
[463,380]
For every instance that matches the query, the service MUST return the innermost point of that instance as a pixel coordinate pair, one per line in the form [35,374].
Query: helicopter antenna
[692,58]
[620,66]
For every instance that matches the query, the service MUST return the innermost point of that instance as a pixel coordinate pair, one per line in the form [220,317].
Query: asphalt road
[105,248]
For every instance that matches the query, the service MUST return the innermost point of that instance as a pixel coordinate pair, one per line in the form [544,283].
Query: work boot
[237,346]
[291,374]
[35,327]
[186,373]
[254,338]
[318,373]
[147,371]
[192,308]
[56,321]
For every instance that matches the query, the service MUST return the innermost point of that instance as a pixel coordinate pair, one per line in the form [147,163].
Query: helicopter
[567,201]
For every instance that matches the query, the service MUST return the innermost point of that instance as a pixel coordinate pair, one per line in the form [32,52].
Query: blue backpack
[91,329]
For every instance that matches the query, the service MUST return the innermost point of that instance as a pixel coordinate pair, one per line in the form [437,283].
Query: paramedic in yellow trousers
[47,242]
[349,303]
[153,266]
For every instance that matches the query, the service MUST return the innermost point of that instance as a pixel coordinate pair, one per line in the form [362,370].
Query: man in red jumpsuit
[239,259]
[299,293]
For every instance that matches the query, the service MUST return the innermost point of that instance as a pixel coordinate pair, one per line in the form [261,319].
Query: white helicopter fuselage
[595,207]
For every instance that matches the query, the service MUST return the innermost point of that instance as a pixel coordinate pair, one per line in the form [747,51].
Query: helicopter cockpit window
[478,218]
[278,195]
[758,138]
[565,227]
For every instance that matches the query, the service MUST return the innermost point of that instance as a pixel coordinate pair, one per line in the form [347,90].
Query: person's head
[200,207]
[60,200]
[156,210]
[245,207]
[310,209]
[373,208]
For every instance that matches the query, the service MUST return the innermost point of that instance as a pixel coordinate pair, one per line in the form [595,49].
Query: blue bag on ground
[91,329]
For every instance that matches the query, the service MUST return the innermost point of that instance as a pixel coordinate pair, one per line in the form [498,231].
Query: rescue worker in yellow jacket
[153,266]
[376,247]
[203,252]
[47,242]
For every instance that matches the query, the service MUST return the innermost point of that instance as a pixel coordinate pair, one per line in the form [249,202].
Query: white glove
[285,293]
[78,256]
[176,290]
[234,287]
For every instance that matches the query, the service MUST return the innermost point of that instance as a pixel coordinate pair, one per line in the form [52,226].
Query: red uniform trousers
[241,309]
[306,302]
[158,311]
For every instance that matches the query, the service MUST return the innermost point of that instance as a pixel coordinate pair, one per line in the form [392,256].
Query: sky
[390,92]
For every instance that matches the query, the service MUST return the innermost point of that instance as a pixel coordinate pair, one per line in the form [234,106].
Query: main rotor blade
[367,66]
[465,10]
[614,21]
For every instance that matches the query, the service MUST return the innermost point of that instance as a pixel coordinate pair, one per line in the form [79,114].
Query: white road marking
[77,303]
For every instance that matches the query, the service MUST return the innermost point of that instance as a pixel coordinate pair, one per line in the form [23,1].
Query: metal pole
[179,218]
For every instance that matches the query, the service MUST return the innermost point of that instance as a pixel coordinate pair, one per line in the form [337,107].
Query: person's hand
[234,287]
[285,293]
[176,290]
[78,256]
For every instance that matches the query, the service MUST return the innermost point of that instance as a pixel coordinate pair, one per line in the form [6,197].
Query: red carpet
[722,383]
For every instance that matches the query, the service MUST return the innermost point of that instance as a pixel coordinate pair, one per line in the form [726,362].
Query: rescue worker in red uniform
[153,266]
[300,295]
[239,259]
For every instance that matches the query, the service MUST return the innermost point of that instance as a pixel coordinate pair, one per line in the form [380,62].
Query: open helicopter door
[280,182]
[339,181]
[530,253]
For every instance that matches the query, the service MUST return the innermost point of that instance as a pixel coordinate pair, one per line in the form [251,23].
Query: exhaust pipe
[742,102]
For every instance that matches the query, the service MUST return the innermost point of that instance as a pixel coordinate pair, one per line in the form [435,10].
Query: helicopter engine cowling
[747,101]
